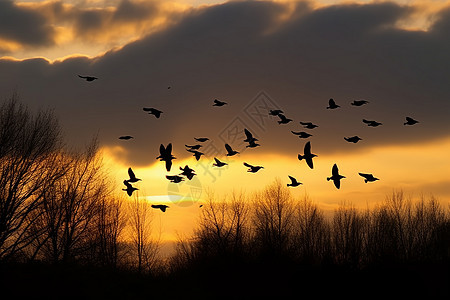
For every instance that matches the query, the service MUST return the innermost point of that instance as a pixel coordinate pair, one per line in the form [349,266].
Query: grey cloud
[228,51]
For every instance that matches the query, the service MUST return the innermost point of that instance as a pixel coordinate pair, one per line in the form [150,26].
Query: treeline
[274,226]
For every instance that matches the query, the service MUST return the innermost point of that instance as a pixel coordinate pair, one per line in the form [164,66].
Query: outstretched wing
[331,103]
[168,165]
[127,184]
[364,175]
[247,165]
[169,149]
[229,149]
[131,173]
[337,183]
[293,180]
[307,150]
[248,134]
[162,150]
[309,162]
[335,170]
[366,121]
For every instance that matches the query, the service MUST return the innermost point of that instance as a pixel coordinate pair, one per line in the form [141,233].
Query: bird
[275,112]
[368,177]
[335,176]
[202,139]
[353,139]
[165,154]
[188,172]
[294,182]
[153,111]
[307,155]
[219,163]
[309,125]
[130,189]
[302,134]
[410,121]
[230,151]
[88,78]
[252,144]
[197,154]
[132,176]
[253,169]
[249,136]
[162,207]
[219,103]
[359,102]
[125,137]
[372,123]
[194,147]
[332,104]
[175,178]
[283,119]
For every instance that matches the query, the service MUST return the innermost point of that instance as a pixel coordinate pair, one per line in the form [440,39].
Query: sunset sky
[255,55]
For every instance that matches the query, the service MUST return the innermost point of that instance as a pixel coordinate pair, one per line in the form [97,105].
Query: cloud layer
[298,55]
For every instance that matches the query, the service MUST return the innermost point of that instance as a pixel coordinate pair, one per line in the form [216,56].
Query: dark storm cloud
[235,50]
[24,26]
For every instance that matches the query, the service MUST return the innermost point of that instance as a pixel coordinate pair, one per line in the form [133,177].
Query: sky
[255,55]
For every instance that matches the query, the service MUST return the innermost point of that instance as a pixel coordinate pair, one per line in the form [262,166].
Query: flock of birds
[307,156]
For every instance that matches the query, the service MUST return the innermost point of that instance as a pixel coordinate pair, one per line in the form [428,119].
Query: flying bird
[219,163]
[283,119]
[332,104]
[88,78]
[309,125]
[125,137]
[253,169]
[335,176]
[202,139]
[302,134]
[219,103]
[307,155]
[130,189]
[197,154]
[368,177]
[153,111]
[294,182]
[188,172]
[132,176]
[194,147]
[359,102]
[410,121]
[249,136]
[372,123]
[275,112]
[353,139]
[175,178]
[165,154]
[230,151]
[162,207]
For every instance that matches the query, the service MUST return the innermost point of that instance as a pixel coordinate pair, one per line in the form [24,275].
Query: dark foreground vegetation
[64,234]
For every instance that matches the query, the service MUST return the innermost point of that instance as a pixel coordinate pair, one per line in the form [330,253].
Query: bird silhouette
[335,176]
[132,176]
[410,121]
[188,172]
[283,119]
[219,103]
[249,136]
[353,139]
[219,163]
[302,134]
[372,123]
[165,154]
[252,144]
[202,139]
[307,155]
[125,137]
[196,154]
[359,102]
[230,151]
[162,207]
[130,189]
[309,125]
[294,182]
[253,169]
[193,147]
[332,104]
[275,112]
[153,111]
[368,177]
[175,178]
[88,78]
